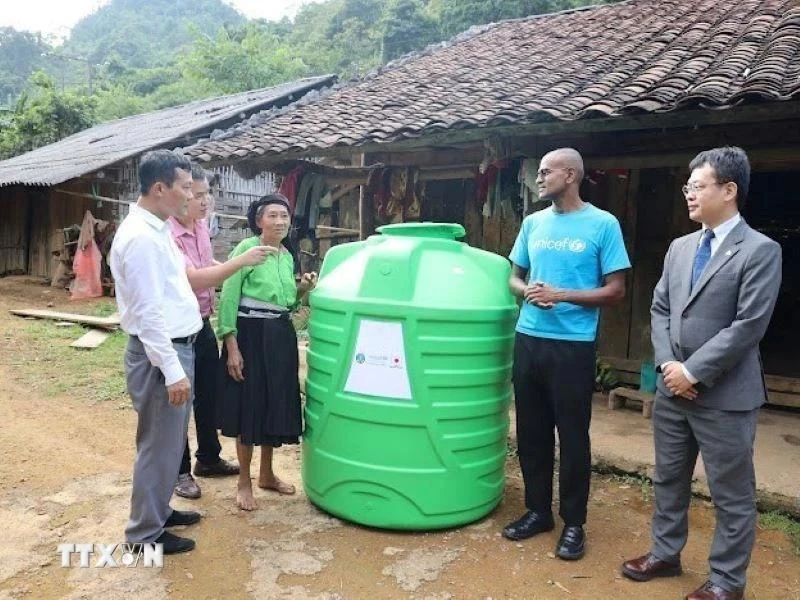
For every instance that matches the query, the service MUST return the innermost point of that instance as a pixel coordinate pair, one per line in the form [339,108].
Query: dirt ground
[65,478]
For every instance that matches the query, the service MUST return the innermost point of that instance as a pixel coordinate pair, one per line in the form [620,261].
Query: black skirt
[264,409]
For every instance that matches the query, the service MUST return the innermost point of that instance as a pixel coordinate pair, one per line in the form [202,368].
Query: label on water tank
[378,365]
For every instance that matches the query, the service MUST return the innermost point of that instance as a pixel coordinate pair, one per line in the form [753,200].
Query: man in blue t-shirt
[568,261]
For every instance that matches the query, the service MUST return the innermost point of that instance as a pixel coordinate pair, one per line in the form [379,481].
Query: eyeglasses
[693,188]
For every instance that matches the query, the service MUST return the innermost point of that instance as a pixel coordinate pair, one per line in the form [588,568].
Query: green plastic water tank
[409,379]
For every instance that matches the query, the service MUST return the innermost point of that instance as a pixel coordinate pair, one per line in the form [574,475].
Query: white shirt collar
[724,228]
[148,217]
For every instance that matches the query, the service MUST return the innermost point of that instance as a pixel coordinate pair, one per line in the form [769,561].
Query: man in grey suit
[710,310]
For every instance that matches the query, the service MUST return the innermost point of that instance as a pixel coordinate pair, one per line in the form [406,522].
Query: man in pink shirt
[191,235]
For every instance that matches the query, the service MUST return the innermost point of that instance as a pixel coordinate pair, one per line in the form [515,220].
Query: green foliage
[135,56]
[239,59]
[781,522]
[459,15]
[21,53]
[406,27]
[117,101]
[147,34]
[644,483]
[47,364]
[43,116]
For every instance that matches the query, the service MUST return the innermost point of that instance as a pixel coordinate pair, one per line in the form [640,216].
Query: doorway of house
[773,208]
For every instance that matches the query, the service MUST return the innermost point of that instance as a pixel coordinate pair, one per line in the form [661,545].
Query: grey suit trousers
[725,440]
[160,440]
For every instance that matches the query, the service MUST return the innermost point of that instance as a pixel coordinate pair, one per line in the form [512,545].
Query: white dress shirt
[155,300]
[721,231]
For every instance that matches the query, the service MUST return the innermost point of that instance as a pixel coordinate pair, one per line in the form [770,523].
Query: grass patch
[41,358]
[104,308]
[779,521]
[644,484]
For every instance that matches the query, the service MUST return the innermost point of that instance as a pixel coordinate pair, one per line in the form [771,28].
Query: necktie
[703,255]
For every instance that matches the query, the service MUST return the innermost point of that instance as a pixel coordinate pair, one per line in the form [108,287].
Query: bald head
[566,158]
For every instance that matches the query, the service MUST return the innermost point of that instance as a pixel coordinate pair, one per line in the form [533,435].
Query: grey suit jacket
[715,328]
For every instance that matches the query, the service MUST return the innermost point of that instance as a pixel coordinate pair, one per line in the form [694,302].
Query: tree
[117,101]
[459,15]
[21,53]
[43,116]
[406,27]
[338,36]
[147,33]
[241,59]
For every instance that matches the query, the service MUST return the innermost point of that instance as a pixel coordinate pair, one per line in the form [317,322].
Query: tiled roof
[108,143]
[608,60]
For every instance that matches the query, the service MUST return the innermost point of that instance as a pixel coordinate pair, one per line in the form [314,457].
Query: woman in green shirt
[259,403]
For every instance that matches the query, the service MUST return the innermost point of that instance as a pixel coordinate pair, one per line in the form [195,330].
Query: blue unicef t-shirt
[573,250]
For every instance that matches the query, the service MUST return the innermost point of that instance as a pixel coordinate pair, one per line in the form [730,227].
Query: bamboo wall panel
[51,212]
[13,230]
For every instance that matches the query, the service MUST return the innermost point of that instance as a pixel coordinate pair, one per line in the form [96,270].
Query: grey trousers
[160,439]
[725,440]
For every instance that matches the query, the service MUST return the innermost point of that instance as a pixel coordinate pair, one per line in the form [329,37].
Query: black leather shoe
[647,567]
[528,525]
[182,517]
[174,544]
[572,543]
[221,468]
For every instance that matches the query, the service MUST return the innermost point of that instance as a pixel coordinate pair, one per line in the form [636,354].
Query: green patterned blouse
[273,282]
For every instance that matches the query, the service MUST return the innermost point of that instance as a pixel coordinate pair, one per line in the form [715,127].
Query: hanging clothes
[528,188]
[310,191]
[315,196]
[306,181]
[289,186]
[412,206]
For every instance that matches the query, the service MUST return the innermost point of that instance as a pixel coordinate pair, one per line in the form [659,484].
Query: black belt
[189,339]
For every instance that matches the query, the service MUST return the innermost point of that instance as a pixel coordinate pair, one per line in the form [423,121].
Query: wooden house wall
[52,211]
[233,195]
[635,175]
[13,231]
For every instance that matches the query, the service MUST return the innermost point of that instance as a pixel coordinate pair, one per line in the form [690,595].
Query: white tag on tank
[378,365]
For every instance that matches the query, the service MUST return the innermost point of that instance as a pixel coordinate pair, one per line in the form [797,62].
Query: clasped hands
[541,295]
[676,381]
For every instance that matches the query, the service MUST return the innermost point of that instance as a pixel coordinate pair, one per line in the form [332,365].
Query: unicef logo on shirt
[559,245]
[577,245]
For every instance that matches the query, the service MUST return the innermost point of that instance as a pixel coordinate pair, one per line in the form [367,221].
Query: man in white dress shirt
[160,312]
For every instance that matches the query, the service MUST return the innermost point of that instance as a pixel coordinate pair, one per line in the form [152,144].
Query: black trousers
[553,385]
[206,367]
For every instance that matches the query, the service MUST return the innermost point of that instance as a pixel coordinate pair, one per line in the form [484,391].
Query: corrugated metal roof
[108,143]
[639,56]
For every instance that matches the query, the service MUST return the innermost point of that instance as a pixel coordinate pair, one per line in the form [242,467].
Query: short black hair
[199,173]
[160,165]
[730,164]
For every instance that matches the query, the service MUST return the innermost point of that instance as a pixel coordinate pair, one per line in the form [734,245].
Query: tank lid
[447,231]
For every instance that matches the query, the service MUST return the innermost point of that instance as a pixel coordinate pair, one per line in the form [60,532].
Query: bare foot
[276,485]
[244,496]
